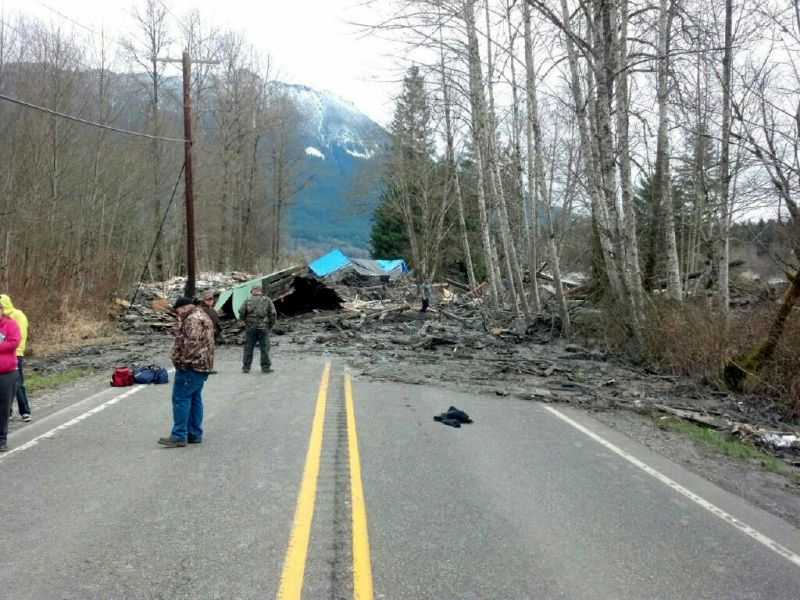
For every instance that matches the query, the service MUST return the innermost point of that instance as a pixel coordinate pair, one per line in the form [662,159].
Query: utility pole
[188,174]
[191,265]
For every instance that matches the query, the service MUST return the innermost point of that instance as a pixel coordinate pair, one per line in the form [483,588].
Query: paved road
[309,480]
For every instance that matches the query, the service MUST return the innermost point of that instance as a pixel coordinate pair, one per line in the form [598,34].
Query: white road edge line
[713,509]
[68,424]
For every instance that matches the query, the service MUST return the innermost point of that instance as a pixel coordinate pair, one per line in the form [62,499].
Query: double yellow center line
[291,587]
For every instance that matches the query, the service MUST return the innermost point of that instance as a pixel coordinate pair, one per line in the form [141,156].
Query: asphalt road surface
[312,483]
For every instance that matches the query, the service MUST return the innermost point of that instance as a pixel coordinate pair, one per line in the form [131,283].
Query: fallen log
[690,415]
[455,317]
[456,284]
[434,340]
[356,314]
[566,283]
[476,291]
[662,284]
[339,316]
[382,313]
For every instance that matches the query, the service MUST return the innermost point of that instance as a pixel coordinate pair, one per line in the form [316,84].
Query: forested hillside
[630,141]
[93,150]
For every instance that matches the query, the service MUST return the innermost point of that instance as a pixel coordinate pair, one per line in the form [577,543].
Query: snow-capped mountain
[335,150]
[342,151]
[333,121]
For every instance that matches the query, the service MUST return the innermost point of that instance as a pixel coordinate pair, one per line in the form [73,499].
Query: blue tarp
[391,265]
[331,262]
[336,260]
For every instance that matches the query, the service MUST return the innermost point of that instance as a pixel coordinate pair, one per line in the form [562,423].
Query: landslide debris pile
[294,292]
[379,329]
[459,343]
[147,309]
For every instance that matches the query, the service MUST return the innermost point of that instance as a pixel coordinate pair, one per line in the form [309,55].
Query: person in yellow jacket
[22,321]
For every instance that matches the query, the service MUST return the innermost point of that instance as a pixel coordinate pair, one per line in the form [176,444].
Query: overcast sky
[310,40]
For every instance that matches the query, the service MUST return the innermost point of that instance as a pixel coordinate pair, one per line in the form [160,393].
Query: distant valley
[342,155]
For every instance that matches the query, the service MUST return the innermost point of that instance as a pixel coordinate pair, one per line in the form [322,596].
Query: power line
[85,122]
[63,16]
[166,8]
[16,30]
[102,35]
[158,235]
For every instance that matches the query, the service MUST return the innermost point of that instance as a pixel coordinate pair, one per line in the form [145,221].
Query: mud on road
[531,365]
[534,365]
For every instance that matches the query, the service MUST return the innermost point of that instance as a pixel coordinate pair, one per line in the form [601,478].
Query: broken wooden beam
[456,284]
[690,415]
[663,283]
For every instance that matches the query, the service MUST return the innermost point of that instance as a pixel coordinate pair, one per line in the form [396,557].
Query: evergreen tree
[414,179]
[388,239]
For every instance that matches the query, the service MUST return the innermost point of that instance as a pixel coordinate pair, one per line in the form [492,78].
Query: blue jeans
[187,404]
[22,396]
[253,336]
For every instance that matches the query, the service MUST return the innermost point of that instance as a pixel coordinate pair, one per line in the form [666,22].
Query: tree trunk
[623,119]
[737,372]
[540,192]
[452,167]
[516,286]
[663,184]
[476,93]
[520,215]
[158,256]
[533,224]
[599,155]
[724,163]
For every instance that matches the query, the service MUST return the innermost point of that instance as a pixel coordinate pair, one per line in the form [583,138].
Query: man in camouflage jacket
[193,357]
[259,315]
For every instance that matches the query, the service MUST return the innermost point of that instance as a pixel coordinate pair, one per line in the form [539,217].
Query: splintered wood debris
[459,342]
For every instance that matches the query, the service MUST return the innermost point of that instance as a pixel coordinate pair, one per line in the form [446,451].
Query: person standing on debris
[193,357]
[22,321]
[259,316]
[426,294]
[10,338]
[208,307]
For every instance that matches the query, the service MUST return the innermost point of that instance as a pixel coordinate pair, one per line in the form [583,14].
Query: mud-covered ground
[532,366]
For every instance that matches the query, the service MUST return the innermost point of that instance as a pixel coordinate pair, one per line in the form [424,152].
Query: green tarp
[237,295]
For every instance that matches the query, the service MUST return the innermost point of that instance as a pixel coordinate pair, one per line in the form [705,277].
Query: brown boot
[171,442]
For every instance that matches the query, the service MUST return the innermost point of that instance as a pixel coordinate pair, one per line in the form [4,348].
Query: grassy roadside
[712,439]
[35,381]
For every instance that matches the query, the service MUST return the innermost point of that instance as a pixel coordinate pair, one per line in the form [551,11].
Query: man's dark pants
[253,336]
[8,386]
[22,396]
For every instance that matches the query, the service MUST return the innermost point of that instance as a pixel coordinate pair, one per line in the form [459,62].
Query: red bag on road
[123,376]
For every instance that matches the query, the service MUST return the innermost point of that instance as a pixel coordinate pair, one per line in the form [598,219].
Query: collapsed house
[292,293]
[294,290]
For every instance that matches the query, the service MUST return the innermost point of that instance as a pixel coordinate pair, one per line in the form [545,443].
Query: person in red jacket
[9,342]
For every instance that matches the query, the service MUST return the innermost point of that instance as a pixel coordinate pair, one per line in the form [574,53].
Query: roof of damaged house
[336,260]
[231,300]
[375,268]
[330,263]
